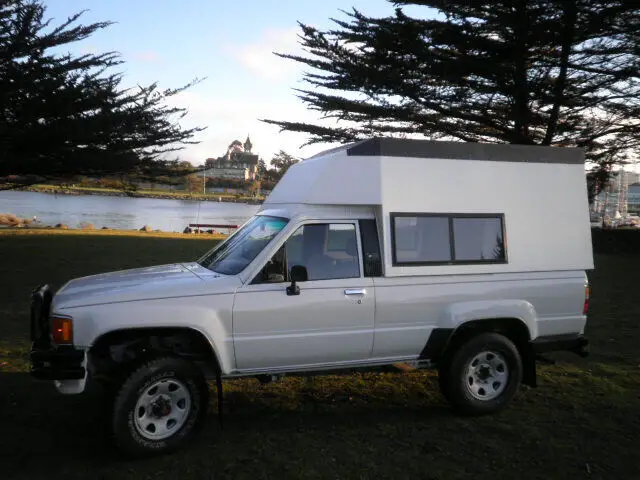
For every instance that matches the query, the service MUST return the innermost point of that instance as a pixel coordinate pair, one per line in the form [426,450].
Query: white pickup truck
[468,258]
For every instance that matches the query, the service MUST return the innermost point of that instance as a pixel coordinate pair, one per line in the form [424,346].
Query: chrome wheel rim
[487,375]
[162,409]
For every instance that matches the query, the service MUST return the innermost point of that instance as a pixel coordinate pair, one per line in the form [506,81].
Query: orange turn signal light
[62,330]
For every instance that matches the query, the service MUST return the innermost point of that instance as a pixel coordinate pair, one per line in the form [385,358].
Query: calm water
[121,212]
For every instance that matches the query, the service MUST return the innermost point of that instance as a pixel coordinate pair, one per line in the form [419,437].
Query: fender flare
[463,314]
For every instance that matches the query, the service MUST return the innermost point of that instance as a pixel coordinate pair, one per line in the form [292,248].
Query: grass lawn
[583,421]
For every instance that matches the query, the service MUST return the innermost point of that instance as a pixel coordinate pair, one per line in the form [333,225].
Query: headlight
[62,330]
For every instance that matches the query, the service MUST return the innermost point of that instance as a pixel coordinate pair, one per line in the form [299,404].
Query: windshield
[237,251]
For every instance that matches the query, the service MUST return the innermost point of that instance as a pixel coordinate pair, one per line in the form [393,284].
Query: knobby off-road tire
[482,375]
[159,406]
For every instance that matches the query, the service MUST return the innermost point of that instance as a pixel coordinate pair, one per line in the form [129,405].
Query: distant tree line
[280,163]
[181,173]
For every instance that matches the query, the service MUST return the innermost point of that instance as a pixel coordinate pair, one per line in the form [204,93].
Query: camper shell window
[447,239]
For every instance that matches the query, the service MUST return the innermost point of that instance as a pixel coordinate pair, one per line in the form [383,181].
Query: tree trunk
[569,20]
[521,88]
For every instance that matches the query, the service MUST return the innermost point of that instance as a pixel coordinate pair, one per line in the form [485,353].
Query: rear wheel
[482,374]
[159,406]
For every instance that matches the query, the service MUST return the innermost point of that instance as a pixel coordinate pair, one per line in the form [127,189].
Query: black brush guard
[49,362]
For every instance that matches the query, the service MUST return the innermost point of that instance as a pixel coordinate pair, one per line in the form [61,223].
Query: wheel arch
[185,342]
[443,341]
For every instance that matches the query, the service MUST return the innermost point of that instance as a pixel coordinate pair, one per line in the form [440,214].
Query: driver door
[329,322]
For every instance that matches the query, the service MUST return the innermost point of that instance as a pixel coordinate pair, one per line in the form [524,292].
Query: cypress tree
[64,115]
[543,72]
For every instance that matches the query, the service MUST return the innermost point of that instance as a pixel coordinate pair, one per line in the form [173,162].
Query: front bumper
[62,363]
[50,362]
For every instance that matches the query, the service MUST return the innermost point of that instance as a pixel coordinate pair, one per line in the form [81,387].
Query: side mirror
[298,274]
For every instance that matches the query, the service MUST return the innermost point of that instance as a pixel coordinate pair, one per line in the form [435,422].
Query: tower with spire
[237,162]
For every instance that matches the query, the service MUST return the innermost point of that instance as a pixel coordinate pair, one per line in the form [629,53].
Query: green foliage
[64,115]
[262,168]
[195,183]
[236,183]
[267,185]
[164,180]
[561,73]
[282,161]
[221,182]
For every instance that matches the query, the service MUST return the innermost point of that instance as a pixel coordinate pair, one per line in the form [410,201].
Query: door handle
[355,291]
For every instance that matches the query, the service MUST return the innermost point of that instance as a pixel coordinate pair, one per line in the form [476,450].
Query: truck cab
[380,253]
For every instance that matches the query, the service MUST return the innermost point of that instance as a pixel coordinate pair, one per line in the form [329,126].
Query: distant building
[633,198]
[227,172]
[620,196]
[238,162]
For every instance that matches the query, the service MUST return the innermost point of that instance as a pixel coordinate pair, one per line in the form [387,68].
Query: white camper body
[541,191]
[465,257]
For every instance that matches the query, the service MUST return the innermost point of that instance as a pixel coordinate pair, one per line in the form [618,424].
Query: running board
[408,366]
[412,366]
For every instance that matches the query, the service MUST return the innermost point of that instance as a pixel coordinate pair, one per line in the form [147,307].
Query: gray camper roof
[412,148]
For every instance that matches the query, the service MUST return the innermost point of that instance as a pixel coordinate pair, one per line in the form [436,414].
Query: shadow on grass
[49,435]
[330,429]
[44,431]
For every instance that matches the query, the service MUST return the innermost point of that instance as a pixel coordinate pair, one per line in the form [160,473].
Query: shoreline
[77,191]
[42,230]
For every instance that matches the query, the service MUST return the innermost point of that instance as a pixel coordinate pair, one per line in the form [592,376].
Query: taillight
[587,291]
[62,330]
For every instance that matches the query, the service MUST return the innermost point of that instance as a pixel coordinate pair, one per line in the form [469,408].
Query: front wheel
[158,406]
[482,375]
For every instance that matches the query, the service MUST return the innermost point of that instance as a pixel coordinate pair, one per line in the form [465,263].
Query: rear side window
[434,239]
[422,239]
[478,239]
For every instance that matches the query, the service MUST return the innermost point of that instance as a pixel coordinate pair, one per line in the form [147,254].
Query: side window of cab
[328,251]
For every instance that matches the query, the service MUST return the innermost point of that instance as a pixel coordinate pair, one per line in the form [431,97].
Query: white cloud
[232,114]
[259,57]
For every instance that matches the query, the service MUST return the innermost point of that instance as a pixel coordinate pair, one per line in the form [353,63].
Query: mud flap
[220,396]
[529,373]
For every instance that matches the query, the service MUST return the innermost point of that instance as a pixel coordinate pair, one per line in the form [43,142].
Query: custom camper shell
[538,193]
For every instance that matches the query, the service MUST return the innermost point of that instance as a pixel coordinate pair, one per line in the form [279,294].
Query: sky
[231,43]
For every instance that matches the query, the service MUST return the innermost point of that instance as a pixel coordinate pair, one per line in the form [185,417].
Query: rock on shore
[11,220]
